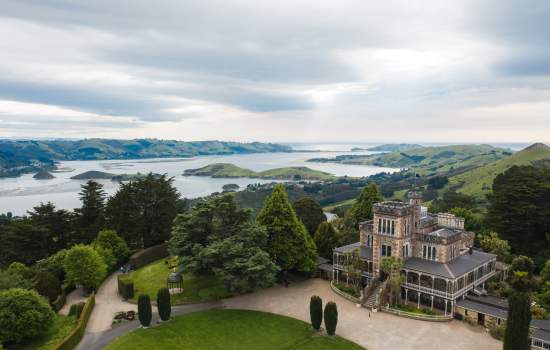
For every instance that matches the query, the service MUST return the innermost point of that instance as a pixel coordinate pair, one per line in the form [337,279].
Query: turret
[415,199]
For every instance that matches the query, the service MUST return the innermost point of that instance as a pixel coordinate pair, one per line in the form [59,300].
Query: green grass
[150,278]
[478,182]
[61,328]
[231,330]
[226,170]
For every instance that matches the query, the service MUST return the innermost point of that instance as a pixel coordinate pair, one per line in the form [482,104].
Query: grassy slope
[232,171]
[149,279]
[63,325]
[478,182]
[431,160]
[228,330]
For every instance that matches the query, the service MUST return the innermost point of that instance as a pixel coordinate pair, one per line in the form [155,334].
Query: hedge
[72,340]
[147,256]
[125,287]
[331,317]
[316,311]
[76,309]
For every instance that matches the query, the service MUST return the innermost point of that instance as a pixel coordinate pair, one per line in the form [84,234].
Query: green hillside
[225,170]
[478,182]
[18,157]
[429,160]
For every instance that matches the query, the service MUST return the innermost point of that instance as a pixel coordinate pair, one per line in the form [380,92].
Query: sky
[281,71]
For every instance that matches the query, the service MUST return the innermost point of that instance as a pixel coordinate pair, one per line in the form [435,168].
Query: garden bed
[344,291]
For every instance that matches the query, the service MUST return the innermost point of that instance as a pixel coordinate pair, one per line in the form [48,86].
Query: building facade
[439,265]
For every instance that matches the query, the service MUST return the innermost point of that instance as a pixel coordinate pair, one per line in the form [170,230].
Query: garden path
[76,296]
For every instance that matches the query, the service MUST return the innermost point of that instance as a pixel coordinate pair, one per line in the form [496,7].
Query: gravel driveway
[380,331]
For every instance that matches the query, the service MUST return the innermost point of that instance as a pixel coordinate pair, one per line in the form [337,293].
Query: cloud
[275,71]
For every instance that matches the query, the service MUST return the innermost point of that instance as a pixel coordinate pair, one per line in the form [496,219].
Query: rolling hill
[429,160]
[225,170]
[478,182]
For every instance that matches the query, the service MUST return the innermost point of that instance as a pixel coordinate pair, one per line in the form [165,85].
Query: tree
[47,285]
[54,264]
[59,223]
[24,241]
[516,336]
[109,240]
[362,207]
[142,210]
[519,210]
[163,304]
[353,268]
[217,237]
[545,272]
[90,217]
[391,266]
[289,244]
[492,243]
[310,212]
[471,221]
[326,239]
[316,311]
[9,280]
[84,266]
[145,312]
[331,317]
[24,314]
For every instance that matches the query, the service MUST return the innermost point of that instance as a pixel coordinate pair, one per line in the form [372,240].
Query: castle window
[386,250]
[453,251]
[379,225]
[429,252]
[405,250]
[393,227]
[369,240]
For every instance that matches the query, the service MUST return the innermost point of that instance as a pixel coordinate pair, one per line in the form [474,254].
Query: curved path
[374,331]
[379,331]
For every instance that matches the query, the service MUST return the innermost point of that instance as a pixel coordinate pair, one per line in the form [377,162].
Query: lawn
[61,328]
[150,278]
[231,329]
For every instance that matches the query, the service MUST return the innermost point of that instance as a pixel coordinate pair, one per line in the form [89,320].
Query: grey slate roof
[444,232]
[541,328]
[453,269]
[364,251]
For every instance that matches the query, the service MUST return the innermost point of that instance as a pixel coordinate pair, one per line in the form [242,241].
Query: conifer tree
[90,217]
[163,303]
[362,207]
[289,243]
[145,313]
[326,239]
[310,212]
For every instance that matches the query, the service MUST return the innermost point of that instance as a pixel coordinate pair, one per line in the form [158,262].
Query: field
[231,330]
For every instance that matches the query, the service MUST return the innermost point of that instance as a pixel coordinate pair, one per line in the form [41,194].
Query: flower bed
[336,287]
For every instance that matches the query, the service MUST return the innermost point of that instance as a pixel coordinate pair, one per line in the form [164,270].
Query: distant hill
[429,160]
[43,175]
[478,182]
[225,170]
[93,175]
[392,147]
[17,157]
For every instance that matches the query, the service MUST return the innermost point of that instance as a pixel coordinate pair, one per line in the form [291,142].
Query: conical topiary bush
[331,317]
[316,311]
[144,310]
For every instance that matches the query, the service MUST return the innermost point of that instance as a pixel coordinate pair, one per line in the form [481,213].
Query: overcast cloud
[371,71]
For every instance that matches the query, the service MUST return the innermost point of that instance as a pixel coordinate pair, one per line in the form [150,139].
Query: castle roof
[364,251]
[454,268]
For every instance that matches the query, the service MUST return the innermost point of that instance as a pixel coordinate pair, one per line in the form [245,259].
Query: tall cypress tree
[90,217]
[516,336]
[362,207]
[289,243]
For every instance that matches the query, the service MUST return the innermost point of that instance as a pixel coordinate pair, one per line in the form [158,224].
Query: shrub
[83,265]
[163,304]
[125,287]
[54,264]
[17,268]
[316,311]
[47,285]
[109,240]
[24,314]
[147,256]
[76,309]
[498,332]
[144,310]
[331,317]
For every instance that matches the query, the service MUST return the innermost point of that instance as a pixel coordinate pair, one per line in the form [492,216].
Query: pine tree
[163,303]
[90,217]
[145,313]
[289,244]
[362,207]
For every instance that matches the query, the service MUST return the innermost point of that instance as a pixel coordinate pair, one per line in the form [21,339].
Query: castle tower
[415,199]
